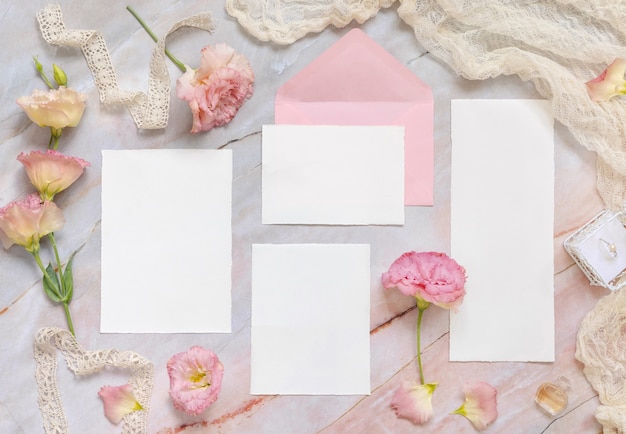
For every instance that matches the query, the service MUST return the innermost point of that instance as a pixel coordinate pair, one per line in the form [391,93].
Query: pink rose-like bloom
[480,405]
[430,276]
[413,401]
[218,88]
[195,379]
[56,108]
[118,402]
[51,172]
[610,83]
[24,222]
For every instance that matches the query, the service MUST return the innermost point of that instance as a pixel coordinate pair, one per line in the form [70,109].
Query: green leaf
[52,286]
[68,281]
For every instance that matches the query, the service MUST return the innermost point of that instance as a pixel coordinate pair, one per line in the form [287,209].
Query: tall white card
[166,241]
[310,319]
[502,212]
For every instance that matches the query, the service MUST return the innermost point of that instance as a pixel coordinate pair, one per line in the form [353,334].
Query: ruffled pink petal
[431,276]
[413,401]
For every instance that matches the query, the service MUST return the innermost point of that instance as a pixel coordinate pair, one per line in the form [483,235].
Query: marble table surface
[24,307]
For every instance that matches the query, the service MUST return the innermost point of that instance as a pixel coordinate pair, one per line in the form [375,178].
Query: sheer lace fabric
[49,341]
[601,346]
[149,111]
[556,44]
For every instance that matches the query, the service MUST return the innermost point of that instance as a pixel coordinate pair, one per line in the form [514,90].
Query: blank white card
[502,212]
[166,241]
[310,319]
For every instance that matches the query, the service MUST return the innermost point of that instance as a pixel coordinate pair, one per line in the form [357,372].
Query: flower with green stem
[24,223]
[431,278]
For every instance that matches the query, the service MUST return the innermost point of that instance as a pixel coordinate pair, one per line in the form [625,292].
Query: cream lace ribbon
[82,362]
[149,111]
[558,45]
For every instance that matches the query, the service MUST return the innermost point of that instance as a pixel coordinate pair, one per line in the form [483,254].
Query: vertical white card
[310,319]
[166,241]
[502,218]
[341,175]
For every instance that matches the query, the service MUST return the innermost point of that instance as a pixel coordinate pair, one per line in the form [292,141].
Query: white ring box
[599,249]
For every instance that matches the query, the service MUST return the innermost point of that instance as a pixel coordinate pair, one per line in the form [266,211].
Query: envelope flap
[355,69]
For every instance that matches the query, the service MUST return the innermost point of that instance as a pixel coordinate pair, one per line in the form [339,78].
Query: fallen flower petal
[118,402]
[413,401]
[480,405]
[610,83]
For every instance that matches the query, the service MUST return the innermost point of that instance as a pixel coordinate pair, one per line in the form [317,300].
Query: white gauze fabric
[556,44]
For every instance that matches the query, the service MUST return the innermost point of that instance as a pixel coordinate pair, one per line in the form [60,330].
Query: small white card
[310,319]
[166,241]
[335,175]
[502,219]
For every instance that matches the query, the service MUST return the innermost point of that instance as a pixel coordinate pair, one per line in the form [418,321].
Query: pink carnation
[195,379]
[218,88]
[430,276]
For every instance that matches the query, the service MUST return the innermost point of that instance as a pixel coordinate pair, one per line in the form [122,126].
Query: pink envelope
[357,82]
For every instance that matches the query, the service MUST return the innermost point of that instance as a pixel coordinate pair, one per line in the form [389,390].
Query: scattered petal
[118,402]
[480,405]
[610,83]
[413,401]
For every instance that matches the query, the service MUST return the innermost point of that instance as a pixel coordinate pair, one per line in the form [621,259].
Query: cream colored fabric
[49,341]
[556,44]
[601,347]
[149,111]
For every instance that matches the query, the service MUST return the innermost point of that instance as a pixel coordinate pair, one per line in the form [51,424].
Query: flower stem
[68,317]
[177,62]
[421,307]
[46,276]
[57,258]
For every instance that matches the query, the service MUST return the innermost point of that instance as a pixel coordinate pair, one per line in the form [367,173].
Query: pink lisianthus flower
[55,108]
[429,276]
[51,172]
[24,222]
[195,379]
[118,402]
[218,88]
[413,401]
[610,83]
[480,405]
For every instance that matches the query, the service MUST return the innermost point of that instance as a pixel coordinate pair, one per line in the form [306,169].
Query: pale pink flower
[413,401]
[218,88]
[118,402]
[480,405]
[429,276]
[610,83]
[195,379]
[25,221]
[51,172]
[56,108]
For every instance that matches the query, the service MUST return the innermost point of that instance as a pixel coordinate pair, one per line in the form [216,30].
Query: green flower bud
[59,75]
